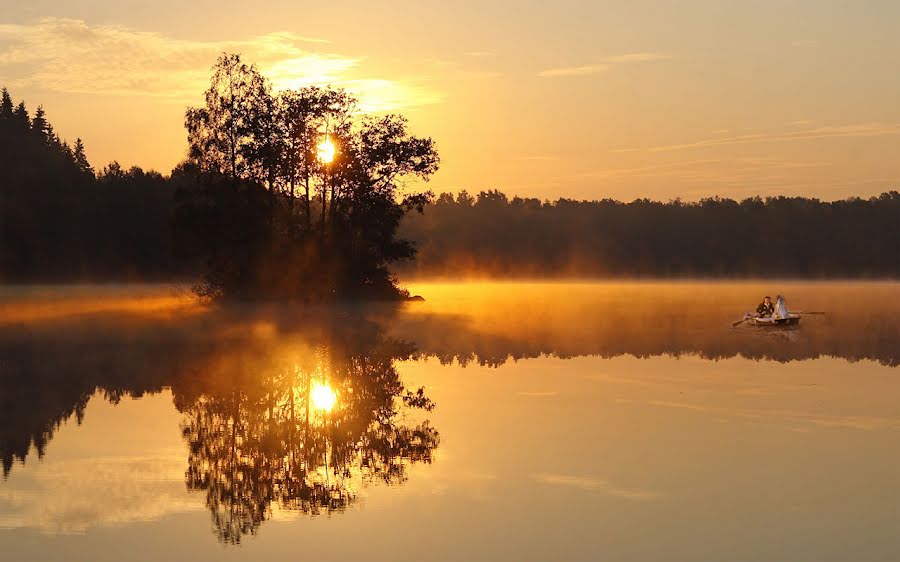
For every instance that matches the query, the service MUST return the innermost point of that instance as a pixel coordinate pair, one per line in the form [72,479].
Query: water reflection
[492,323]
[288,409]
[305,433]
[301,421]
[50,365]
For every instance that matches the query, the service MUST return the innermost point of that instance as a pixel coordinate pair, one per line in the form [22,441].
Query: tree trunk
[324,195]
[308,206]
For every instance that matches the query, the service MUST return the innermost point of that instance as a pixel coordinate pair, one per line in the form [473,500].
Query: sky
[571,98]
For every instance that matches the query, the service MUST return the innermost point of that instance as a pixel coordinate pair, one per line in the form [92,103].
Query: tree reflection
[259,438]
[229,366]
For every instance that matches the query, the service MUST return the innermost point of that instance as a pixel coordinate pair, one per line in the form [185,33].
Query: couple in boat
[767,309]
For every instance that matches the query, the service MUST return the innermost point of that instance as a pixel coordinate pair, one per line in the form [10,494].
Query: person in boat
[780,311]
[765,309]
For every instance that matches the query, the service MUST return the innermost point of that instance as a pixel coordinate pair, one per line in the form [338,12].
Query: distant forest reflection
[244,378]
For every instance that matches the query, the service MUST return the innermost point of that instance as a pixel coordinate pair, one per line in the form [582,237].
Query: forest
[289,196]
[62,220]
[257,210]
[492,235]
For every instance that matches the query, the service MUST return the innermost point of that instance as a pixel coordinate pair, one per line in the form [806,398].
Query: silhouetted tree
[225,135]
[303,114]
[80,158]
[253,149]
[39,124]
[6,105]
[20,117]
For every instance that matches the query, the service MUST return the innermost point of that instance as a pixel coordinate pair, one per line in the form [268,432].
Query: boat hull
[791,320]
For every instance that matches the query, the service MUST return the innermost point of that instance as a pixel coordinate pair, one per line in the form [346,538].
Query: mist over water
[495,321]
[492,321]
[512,420]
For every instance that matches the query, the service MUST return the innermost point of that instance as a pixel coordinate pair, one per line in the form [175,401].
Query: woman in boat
[781,310]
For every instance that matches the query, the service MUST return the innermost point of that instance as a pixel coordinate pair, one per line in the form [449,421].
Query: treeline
[61,221]
[288,196]
[491,234]
[245,214]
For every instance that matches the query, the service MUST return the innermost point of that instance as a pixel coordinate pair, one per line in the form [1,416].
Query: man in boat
[765,308]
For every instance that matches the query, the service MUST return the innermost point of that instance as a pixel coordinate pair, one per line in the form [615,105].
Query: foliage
[274,220]
[491,234]
[58,222]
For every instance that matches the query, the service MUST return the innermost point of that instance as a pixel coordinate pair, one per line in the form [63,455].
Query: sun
[323,396]
[326,151]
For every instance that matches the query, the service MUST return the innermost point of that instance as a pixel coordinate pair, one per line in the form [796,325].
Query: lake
[494,421]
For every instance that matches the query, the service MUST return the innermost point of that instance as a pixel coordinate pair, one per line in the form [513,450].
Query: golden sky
[572,98]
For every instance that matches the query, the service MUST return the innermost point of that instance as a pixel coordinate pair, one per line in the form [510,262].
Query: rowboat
[780,319]
[772,322]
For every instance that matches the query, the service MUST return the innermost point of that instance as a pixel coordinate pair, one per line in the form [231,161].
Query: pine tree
[6,105]
[20,117]
[39,123]
[81,159]
[112,172]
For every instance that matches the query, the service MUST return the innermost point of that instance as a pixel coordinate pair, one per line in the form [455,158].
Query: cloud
[540,158]
[574,70]
[71,497]
[860,422]
[837,131]
[741,176]
[598,485]
[713,170]
[607,64]
[390,95]
[639,57]
[70,55]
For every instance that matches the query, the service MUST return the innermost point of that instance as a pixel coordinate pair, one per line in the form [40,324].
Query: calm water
[499,421]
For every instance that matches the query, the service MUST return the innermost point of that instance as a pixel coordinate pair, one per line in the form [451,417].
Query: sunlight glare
[323,397]
[326,151]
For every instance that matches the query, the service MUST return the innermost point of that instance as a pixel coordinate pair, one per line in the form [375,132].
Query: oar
[739,322]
